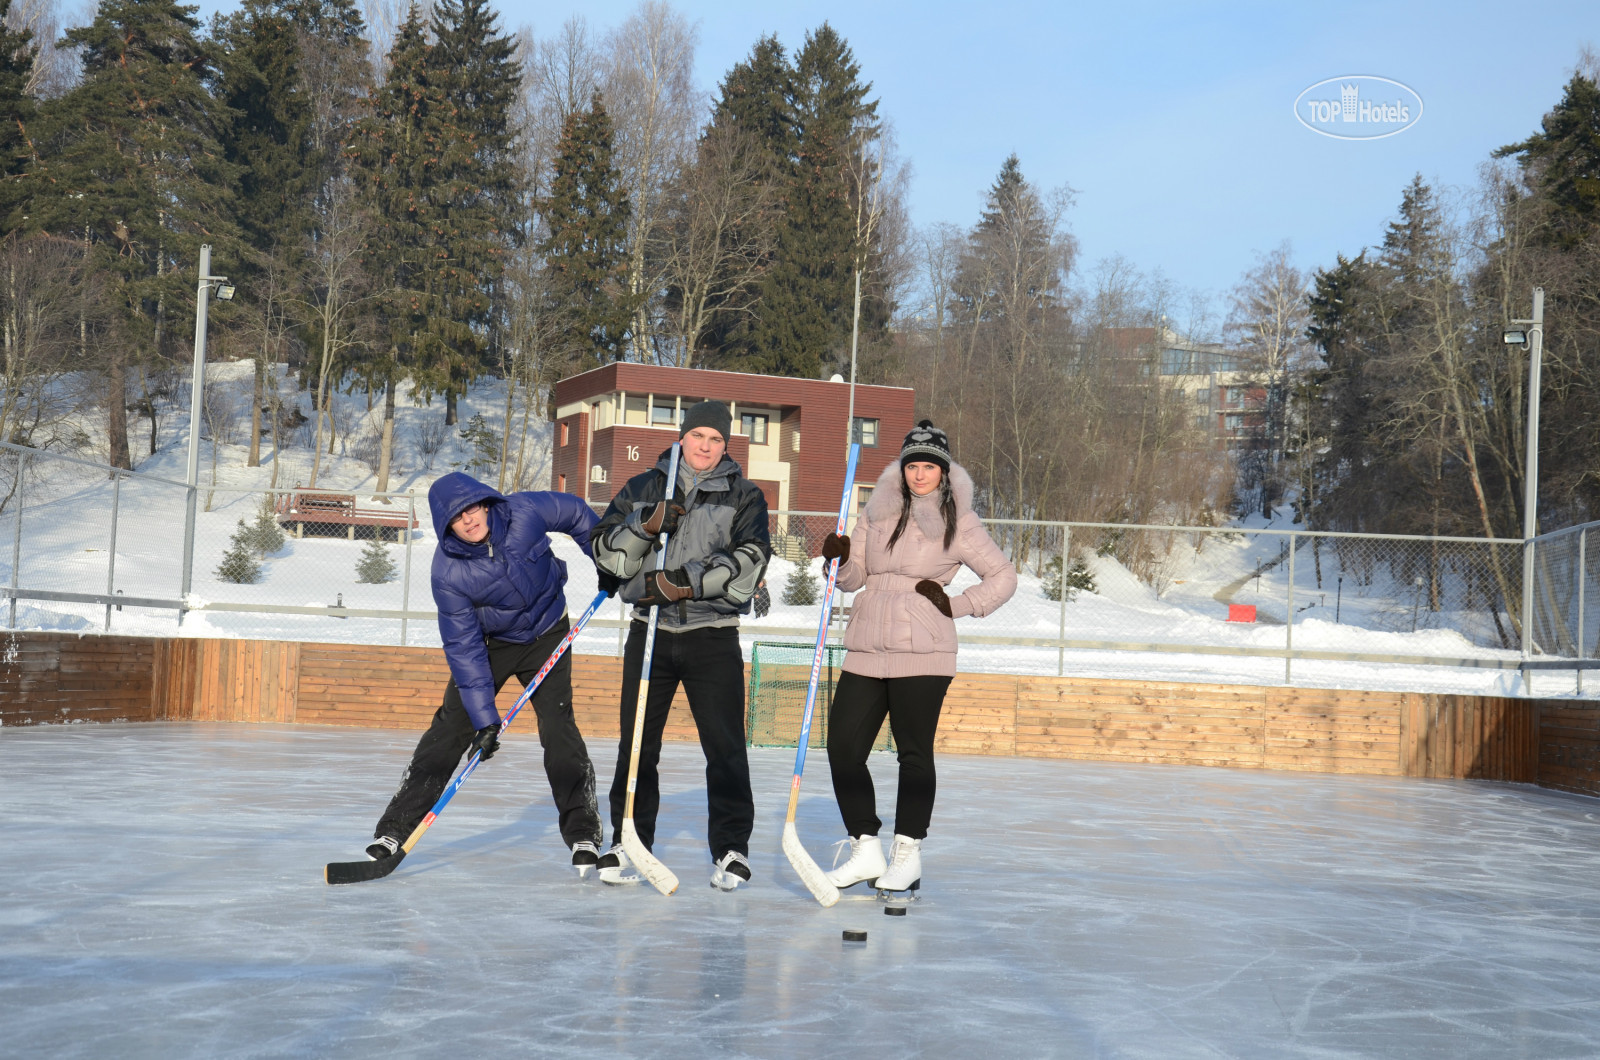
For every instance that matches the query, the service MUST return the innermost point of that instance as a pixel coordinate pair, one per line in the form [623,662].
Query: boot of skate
[865,862]
[905,866]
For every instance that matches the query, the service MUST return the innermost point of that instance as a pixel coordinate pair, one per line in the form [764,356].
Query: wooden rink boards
[1556,743]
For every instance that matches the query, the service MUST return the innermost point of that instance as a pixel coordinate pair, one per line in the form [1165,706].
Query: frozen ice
[161,895]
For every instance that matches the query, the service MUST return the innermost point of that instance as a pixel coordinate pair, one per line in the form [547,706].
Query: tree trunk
[117,410]
[386,442]
[257,395]
[450,406]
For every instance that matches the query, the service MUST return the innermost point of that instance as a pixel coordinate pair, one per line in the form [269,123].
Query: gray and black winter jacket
[721,542]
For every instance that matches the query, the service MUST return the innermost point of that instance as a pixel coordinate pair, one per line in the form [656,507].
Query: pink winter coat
[894,631]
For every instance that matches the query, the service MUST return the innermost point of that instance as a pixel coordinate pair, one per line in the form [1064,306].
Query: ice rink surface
[161,895]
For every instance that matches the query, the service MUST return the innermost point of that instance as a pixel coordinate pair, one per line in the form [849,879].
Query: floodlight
[1515,337]
[225,292]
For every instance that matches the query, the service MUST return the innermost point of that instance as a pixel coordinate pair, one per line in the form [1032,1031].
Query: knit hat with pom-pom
[926,443]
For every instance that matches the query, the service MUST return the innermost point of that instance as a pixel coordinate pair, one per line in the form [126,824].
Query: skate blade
[583,871]
[905,897]
[732,885]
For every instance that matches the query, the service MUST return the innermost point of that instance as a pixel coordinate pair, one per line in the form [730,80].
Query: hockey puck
[853,935]
[894,910]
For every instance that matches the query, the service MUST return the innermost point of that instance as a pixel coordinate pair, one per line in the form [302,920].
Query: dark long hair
[947,508]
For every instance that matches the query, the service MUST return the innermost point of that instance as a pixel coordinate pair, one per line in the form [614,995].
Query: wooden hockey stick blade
[649,866]
[337,872]
[809,871]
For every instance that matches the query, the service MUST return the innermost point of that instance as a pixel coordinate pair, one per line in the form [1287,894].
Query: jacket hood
[885,500]
[452,494]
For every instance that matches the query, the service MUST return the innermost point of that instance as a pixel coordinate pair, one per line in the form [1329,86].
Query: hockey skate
[616,869]
[585,855]
[383,847]
[731,870]
[898,886]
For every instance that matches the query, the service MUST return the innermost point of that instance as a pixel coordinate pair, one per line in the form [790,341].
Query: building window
[794,441]
[561,483]
[753,425]
[863,495]
[1234,421]
[664,414]
[865,433]
[564,428]
[1202,397]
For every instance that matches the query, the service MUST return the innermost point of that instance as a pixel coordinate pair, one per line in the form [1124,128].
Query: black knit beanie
[713,414]
[926,443]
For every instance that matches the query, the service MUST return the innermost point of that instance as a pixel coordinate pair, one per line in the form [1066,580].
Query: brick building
[788,434]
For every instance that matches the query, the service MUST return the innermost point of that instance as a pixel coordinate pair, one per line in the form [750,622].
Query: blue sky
[1173,122]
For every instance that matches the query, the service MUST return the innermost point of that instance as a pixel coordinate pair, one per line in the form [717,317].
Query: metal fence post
[16,540]
[1061,650]
[1583,577]
[111,561]
[405,580]
[1288,636]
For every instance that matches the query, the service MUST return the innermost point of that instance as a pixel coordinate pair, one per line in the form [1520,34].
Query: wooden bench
[319,508]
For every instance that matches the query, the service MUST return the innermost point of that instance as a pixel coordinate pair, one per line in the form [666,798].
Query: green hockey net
[776,702]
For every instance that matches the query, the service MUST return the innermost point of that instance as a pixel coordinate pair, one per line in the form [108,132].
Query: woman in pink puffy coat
[918,530]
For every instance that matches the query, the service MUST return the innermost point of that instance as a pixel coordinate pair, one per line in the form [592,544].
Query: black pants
[566,758]
[859,705]
[708,663]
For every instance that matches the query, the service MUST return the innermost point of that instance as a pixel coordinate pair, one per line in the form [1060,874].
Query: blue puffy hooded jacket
[509,586]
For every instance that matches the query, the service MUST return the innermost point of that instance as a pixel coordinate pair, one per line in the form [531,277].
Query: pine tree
[586,213]
[472,193]
[130,163]
[16,115]
[1562,162]
[375,567]
[800,588]
[239,563]
[1079,579]
[266,536]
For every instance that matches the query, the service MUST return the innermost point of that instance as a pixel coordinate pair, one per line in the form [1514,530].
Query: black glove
[763,601]
[487,741]
[666,587]
[934,593]
[836,546]
[609,583]
[663,518]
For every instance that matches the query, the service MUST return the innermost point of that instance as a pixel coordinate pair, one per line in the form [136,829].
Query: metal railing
[96,549]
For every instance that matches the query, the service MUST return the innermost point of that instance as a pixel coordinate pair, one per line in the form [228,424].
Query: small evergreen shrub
[375,567]
[1078,580]
[239,564]
[265,536]
[800,590]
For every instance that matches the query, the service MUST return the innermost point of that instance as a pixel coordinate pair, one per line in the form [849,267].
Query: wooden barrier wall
[1556,743]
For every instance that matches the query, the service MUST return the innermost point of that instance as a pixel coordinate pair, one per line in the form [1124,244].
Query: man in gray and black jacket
[716,558]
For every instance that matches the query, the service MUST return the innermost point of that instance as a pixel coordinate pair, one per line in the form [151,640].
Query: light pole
[1530,334]
[196,400]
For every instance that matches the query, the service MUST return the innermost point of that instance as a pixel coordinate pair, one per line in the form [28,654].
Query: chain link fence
[93,549]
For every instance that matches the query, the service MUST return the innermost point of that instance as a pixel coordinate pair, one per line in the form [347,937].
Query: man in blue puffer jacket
[502,610]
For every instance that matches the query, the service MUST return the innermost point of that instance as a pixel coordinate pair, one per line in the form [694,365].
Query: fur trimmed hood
[884,505]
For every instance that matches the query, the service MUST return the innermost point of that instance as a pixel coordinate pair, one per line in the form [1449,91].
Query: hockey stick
[810,872]
[361,871]
[649,866]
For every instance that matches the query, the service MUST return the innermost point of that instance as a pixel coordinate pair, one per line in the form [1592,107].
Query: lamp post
[196,399]
[1530,334]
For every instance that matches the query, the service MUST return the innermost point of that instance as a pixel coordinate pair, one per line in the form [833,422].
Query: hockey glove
[663,518]
[666,587]
[763,601]
[934,593]
[608,583]
[836,546]
[487,742]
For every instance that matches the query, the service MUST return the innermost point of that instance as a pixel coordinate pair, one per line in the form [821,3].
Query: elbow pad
[622,551]
[736,581]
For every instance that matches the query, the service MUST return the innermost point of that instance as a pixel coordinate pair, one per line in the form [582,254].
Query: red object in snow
[1241,612]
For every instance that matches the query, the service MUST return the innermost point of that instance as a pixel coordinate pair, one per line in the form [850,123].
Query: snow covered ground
[1374,607]
[161,896]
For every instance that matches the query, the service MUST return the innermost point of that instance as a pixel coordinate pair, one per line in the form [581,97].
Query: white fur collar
[884,505]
